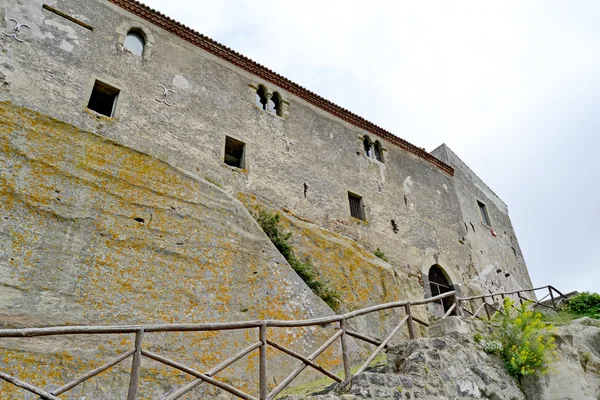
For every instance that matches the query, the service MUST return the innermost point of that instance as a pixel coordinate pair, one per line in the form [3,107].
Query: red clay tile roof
[254,68]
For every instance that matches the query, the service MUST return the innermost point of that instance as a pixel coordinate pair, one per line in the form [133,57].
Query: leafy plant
[492,346]
[527,345]
[380,254]
[585,304]
[269,222]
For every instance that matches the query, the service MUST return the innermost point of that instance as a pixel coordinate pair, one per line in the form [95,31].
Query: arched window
[135,42]
[439,284]
[275,104]
[367,146]
[378,152]
[261,97]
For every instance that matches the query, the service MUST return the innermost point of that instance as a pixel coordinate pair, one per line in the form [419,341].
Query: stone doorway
[439,284]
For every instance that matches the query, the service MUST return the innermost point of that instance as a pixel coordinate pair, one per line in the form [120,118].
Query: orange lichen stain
[180,264]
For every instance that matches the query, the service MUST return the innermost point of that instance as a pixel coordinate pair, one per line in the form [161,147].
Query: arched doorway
[439,284]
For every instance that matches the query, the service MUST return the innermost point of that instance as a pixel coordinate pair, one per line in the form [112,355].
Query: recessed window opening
[356,206]
[377,152]
[261,97]
[275,104]
[135,42]
[234,152]
[367,147]
[485,218]
[103,99]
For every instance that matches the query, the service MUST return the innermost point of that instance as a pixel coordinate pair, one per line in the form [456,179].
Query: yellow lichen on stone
[100,234]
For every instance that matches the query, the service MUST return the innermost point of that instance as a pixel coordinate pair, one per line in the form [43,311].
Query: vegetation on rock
[527,346]
[380,254]
[585,304]
[269,222]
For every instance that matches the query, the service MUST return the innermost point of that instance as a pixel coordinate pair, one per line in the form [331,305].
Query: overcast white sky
[512,87]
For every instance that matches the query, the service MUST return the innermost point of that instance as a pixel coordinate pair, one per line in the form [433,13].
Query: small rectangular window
[103,99]
[234,152]
[356,206]
[485,218]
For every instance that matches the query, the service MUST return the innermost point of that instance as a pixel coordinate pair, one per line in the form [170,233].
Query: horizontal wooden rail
[457,306]
[503,293]
[68,330]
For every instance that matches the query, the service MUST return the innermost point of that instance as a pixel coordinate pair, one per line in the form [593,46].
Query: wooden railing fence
[343,332]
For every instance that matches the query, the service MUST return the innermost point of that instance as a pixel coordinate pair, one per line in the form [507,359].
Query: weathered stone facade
[59,200]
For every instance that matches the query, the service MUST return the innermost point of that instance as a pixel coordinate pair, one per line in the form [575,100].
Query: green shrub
[527,345]
[269,222]
[380,254]
[585,304]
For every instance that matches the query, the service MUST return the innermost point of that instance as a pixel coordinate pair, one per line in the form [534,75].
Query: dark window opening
[261,97]
[377,151]
[367,146]
[440,285]
[275,104]
[234,152]
[103,99]
[356,206]
[484,214]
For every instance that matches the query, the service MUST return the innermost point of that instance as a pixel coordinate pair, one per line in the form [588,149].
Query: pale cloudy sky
[512,87]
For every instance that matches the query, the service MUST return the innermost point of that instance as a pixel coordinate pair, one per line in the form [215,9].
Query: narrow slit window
[275,104]
[485,218]
[234,152]
[356,206]
[367,146]
[377,152]
[103,99]
[261,97]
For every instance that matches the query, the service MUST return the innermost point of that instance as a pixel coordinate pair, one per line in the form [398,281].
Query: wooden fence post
[552,296]
[459,310]
[263,381]
[411,327]
[345,358]
[135,365]
[487,311]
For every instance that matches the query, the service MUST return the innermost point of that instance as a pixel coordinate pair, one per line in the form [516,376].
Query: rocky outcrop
[576,373]
[361,278]
[452,366]
[449,367]
[95,233]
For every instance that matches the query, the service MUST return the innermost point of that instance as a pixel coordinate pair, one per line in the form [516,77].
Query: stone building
[129,145]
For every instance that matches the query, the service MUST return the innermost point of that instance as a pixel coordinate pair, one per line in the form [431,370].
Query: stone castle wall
[137,219]
[54,70]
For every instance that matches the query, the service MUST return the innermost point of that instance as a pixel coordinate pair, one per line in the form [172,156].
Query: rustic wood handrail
[140,331]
